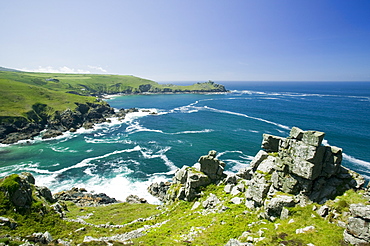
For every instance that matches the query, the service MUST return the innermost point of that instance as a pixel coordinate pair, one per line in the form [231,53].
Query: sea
[124,157]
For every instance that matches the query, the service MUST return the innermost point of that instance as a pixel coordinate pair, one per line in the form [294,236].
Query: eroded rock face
[19,189]
[187,180]
[159,190]
[81,197]
[299,165]
[358,227]
[211,166]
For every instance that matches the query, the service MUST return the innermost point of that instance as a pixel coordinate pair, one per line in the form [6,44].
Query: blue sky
[246,40]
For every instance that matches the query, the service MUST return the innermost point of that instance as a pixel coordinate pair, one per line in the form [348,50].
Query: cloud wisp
[65,69]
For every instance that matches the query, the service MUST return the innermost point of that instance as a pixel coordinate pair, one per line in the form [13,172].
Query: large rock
[358,227]
[274,207]
[270,143]
[211,166]
[187,180]
[159,190]
[298,165]
[81,197]
[22,191]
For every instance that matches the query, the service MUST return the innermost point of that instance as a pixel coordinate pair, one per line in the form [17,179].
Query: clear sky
[190,40]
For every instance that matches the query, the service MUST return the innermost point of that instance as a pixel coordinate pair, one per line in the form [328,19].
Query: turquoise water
[123,158]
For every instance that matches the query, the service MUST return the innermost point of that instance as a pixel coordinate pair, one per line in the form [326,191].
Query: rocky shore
[85,115]
[289,174]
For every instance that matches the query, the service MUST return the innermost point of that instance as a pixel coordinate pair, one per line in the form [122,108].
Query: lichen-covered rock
[44,192]
[358,227]
[135,199]
[211,202]
[299,165]
[258,188]
[270,143]
[274,206]
[83,198]
[187,180]
[159,190]
[313,138]
[211,166]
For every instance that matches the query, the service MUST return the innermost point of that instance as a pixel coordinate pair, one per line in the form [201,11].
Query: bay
[124,157]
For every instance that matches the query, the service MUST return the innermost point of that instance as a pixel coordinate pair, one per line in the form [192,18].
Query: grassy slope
[20,90]
[185,226]
[17,98]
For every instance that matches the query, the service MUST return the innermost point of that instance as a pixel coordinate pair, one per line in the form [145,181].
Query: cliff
[295,192]
[31,101]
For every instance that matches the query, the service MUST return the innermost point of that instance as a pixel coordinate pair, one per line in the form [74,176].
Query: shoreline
[110,96]
[111,120]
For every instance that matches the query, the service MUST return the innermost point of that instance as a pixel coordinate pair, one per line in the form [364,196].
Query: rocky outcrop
[358,227]
[187,180]
[159,190]
[85,115]
[132,199]
[20,191]
[38,120]
[81,197]
[211,166]
[298,165]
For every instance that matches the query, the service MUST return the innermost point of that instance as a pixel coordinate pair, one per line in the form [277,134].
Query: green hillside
[20,90]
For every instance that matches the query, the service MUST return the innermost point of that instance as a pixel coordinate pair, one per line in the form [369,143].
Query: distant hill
[9,69]
[20,90]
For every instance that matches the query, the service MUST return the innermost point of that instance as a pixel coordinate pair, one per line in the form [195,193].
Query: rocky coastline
[85,115]
[39,123]
[288,173]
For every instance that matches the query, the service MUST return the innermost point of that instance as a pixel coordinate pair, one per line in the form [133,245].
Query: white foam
[135,127]
[148,154]
[247,116]
[356,161]
[192,132]
[118,187]
[63,149]
[86,162]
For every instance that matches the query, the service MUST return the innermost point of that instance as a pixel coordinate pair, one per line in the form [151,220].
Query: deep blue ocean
[124,157]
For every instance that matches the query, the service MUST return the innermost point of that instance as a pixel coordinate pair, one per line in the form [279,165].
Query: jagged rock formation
[85,115]
[159,190]
[135,199]
[358,227]
[298,165]
[20,191]
[188,180]
[81,197]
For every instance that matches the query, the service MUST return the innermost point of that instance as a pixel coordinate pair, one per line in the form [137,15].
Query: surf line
[247,116]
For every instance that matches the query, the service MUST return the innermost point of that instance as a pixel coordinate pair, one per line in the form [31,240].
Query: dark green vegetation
[177,223]
[21,91]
